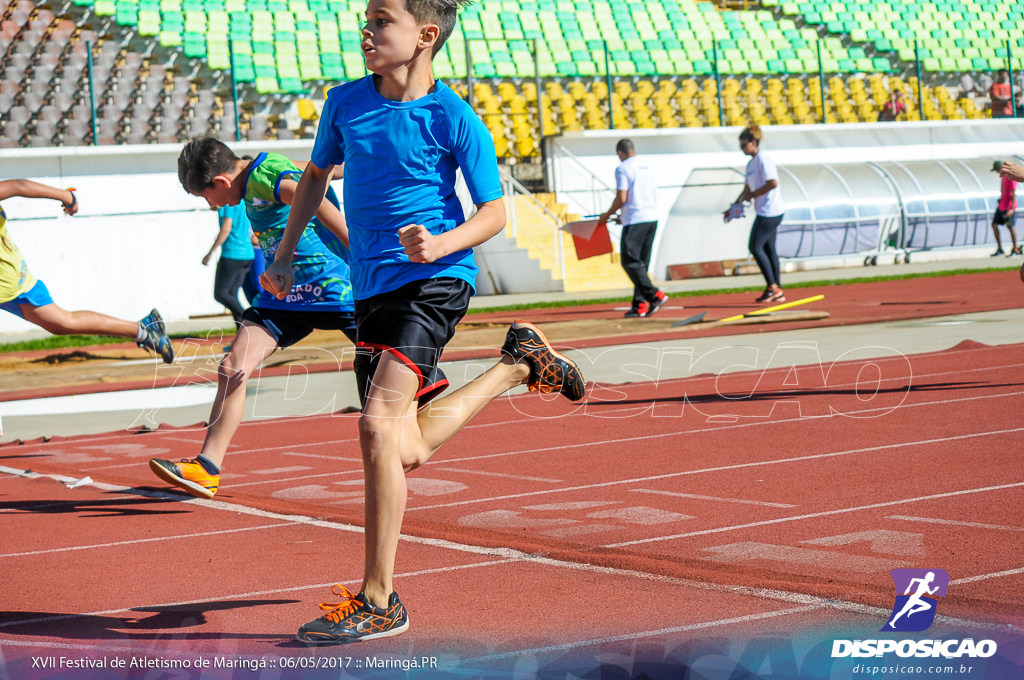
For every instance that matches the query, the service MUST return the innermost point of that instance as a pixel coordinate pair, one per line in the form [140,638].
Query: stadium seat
[284,49]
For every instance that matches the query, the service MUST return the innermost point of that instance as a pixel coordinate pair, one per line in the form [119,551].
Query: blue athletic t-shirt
[238,246]
[321,271]
[400,163]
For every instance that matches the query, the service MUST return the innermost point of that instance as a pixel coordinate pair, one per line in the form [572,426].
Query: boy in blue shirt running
[321,297]
[401,136]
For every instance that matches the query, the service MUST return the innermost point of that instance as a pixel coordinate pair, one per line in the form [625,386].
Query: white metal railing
[514,188]
[589,201]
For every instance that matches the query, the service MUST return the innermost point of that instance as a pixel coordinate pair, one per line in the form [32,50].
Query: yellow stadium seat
[482,91]
[525,147]
[501,147]
[307,109]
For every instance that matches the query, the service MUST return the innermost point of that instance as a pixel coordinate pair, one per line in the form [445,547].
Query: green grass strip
[70,341]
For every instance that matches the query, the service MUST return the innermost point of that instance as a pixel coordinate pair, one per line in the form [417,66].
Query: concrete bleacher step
[536,234]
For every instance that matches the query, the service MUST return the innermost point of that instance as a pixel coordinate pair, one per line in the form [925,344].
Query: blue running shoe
[156,336]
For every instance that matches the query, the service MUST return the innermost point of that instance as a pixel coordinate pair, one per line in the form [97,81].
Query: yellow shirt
[15,277]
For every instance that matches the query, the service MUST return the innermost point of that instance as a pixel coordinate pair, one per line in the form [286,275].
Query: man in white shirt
[636,193]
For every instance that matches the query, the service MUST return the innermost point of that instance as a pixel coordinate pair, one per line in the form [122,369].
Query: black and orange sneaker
[354,619]
[189,475]
[549,370]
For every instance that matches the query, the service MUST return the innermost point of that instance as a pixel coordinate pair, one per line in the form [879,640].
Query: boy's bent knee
[373,429]
[232,370]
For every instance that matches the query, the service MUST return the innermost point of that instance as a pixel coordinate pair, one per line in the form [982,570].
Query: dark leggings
[635,246]
[762,247]
[228,279]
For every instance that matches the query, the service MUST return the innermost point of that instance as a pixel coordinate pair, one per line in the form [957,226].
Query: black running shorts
[413,323]
[1005,217]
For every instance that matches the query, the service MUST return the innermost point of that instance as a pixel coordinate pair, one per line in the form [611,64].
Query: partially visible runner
[235,261]
[320,299]
[24,295]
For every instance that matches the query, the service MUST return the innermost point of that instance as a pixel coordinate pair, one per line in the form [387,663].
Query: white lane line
[646,634]
[321,456]
[721,468]
[956,523]
[714,498]
[237,596]
[336,473]
[985,577]
[609,442]
[504,475]
[815,515]
[138,541]
[499,556]
[721,428]
[280,470]
[581,411]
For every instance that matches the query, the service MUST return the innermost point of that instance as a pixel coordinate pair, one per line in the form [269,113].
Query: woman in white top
[762,185]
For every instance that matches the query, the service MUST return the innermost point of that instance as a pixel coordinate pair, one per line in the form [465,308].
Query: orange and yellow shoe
[354,619]
[549,370]
[188,475]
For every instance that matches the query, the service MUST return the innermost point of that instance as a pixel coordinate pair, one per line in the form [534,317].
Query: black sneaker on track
[659,299]
[642,309]
[549,370]
[156,336]
[354,619]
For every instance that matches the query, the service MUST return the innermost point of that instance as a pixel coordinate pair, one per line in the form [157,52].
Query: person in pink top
[1004,211]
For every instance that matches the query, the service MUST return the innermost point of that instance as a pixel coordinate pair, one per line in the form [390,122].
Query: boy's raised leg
[527,357]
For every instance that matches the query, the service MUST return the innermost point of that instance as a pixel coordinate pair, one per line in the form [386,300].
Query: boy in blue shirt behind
[236,253]
[402,135]
[321,297]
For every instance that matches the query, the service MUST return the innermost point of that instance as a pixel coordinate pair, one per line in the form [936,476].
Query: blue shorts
[37,296]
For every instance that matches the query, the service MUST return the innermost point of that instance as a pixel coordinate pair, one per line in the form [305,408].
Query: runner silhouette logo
[917,593]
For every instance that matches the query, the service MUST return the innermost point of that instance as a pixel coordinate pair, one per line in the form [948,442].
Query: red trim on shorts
[401,357]
[430,391]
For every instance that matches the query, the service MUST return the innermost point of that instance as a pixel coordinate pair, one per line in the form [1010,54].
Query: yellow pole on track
[776,308]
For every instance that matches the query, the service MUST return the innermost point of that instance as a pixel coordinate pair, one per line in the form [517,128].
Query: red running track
[660,520]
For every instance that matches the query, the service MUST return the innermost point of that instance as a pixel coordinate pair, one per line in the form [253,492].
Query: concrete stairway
[535,232]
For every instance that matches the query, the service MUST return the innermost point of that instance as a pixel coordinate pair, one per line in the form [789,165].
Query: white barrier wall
[138,239]
[582,165]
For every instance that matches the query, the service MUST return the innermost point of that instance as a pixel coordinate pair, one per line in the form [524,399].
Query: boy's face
[391,35]
[220,194]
